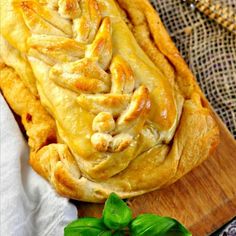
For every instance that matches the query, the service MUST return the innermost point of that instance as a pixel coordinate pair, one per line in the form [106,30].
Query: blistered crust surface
[106,100]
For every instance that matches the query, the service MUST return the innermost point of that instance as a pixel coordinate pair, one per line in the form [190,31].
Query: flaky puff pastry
[107,101]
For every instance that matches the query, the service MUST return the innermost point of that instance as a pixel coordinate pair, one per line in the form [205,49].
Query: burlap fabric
[210,51]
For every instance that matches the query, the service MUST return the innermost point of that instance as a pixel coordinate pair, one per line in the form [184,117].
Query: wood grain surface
[203,200]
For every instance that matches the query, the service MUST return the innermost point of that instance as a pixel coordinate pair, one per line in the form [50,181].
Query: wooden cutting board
[203,200]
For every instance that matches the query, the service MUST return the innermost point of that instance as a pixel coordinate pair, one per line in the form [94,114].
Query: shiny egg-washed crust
[105,110]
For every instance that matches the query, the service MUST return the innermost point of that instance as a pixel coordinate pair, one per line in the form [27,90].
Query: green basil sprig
[117,221]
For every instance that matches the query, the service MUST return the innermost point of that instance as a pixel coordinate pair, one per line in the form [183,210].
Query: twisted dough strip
[40,19]
[122,76]
[53,49]
[101,47]
[81,76]
[85,27]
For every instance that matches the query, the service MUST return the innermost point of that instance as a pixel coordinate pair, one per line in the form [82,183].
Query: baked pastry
[107,101]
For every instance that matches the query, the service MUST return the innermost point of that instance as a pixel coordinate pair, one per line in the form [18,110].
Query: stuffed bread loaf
[107,102]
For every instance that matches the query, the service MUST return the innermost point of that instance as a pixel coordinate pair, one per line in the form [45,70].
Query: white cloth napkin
[29,206]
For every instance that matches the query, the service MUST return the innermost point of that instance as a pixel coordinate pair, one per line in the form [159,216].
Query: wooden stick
[215,11]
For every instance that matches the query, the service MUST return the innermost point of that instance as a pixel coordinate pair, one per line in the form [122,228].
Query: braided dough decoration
[108,106]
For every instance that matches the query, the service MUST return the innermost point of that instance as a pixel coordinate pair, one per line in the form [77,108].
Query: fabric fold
[29,205]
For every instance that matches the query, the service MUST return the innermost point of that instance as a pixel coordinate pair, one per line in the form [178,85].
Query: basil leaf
[87,227]
[153,225]
[87,221]
[86,231]
[116,214]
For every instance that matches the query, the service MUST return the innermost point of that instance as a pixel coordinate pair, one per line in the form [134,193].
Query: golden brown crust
[39,125]
[127,121]
[12,57]
[156,42]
